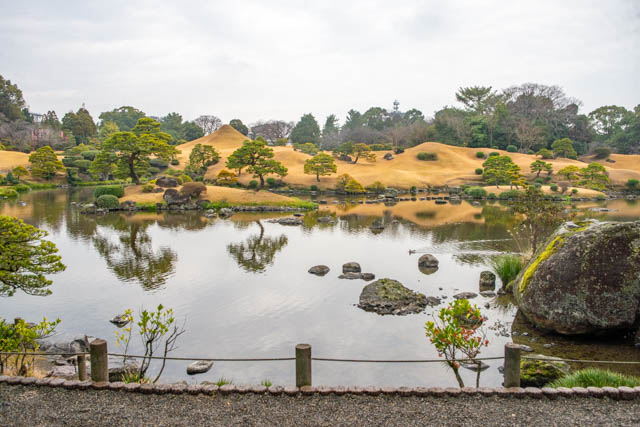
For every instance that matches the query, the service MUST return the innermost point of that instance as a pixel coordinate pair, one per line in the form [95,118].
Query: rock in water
[120,320]
[319,270]
[351,267]
[428,262]
[225,213]
[388,296]
[199,367]
[584,280]
[354,276]
[465,295]
[487,281]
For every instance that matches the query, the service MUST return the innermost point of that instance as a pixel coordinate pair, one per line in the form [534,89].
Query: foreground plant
[25,258]
[507,267]
[158,331]
[21,337]
[594,377]
[457,331]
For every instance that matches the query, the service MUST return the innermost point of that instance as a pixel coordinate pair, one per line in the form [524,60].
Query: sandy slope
[12,159]
[214,194]
[455,165]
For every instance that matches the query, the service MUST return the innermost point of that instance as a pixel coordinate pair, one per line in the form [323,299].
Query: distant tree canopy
[11,101]
[208,123]
[180,131]
[127,154]
[306,130]
[80,124]
[272,130]
[239,126]
[124,117]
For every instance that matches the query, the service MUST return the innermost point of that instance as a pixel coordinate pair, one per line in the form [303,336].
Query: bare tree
[209,124]
[272,130]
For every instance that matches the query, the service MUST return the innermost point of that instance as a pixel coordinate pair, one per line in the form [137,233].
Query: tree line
[525,118]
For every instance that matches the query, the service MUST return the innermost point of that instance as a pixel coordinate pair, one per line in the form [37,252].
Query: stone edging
[620,393]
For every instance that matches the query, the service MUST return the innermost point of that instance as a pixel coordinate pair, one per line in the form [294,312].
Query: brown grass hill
[12,159]
[455,165]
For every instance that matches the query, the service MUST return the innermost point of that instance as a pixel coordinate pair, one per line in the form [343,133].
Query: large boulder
[167,182]
[172,197]
[388,296]
[584,280]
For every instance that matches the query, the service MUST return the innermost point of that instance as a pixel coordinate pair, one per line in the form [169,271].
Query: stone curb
[620,393]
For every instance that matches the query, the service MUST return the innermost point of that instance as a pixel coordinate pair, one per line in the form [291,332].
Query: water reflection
[131,256]
[258,251]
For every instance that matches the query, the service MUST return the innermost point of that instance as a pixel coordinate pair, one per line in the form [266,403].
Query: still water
[242,287]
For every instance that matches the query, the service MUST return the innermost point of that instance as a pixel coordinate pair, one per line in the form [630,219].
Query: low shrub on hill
[107,201]
[427,156]
[113,190]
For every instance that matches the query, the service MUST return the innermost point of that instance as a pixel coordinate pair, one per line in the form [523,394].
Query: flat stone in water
[319,270]
[465,295]
[351,267]
[199,367]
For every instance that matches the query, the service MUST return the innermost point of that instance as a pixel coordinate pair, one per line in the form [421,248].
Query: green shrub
[185,178]
[509,194]
[175,162]
[253,184]
[89,155]
[574,191]
[21,188]
[107,201]
[602,152]
[531,152]
[8,192]
[376,187]
[153,171]
[427,156]
[601,197]
[594,377]
[507,267]
[82,164]
[632,184]
[554,187]
[69,161]
[479,171]
[538,185]
[480,155]
[148,188]
[539,180]
[492,196]
[494,153]
[381,147]
[159,163]
[271,182]
[475,192]
[313,188]
[113,190]
[512,148]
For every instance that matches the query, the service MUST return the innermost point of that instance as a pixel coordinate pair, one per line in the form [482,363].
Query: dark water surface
[242,286]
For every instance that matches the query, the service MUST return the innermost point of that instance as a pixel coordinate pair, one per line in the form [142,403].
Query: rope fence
[99,361]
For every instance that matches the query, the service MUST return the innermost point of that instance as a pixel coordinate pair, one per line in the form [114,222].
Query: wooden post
[82,367]
[511,365]
[99,361]
[303,365]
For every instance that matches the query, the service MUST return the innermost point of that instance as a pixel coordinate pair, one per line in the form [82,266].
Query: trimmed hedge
[427,156]
[113,190]
[107,201]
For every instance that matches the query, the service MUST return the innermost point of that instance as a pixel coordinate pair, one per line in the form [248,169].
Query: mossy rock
[584,280]
[537,373]
[388,296]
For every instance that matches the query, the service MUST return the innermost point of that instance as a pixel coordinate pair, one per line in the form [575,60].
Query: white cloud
[257,60]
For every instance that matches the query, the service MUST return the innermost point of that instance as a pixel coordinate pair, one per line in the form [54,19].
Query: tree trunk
[318,176]
[261,181]
[132,171]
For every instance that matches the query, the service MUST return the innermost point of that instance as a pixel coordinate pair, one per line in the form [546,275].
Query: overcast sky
[280,59]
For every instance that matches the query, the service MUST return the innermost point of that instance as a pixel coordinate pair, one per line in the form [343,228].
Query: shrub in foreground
[594,377]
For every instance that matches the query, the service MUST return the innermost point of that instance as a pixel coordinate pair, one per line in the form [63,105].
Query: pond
[242,287]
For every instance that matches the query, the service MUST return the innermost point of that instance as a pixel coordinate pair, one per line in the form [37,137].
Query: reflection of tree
[257,251]
[133,257]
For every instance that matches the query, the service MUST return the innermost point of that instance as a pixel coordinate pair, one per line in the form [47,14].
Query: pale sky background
[280,59]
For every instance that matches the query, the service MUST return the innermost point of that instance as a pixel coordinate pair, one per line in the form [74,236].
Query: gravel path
[20,405]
